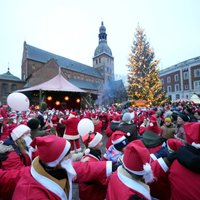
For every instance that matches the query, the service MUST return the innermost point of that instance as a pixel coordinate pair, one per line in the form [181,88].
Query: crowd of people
[150,153]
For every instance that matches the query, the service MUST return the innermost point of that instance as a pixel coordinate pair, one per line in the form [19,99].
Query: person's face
[99,145]
[180,121]
[196,115]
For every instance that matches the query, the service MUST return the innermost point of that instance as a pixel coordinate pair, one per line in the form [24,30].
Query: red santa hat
[153,126]
[94,116]
[72,114]
[12,115]
[51,149]
[19,131]
[136,160]
[119,140]
[173,144]
[116,117]
[91,140]
[192,132]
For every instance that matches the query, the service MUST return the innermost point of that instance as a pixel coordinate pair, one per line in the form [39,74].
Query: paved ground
[75,186]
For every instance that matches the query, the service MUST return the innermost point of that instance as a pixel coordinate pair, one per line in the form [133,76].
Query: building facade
[39,66]
[8,84]
[182,80]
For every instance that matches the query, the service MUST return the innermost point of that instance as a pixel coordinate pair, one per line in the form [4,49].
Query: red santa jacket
[93,190]
[184,183]
[29,187]
[71,130]
[122,186]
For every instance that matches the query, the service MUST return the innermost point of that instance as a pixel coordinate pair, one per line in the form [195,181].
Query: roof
[9,76]
[58,83]
[85,84]
[43,56]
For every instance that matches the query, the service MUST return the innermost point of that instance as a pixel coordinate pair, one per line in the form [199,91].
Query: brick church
[98,81]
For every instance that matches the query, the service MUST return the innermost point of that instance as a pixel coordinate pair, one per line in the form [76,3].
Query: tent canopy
[195,98]
[58,83]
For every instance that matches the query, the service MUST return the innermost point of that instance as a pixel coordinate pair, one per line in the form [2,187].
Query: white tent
[195,98]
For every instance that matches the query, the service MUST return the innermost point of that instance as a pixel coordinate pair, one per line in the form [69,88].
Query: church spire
[102,33]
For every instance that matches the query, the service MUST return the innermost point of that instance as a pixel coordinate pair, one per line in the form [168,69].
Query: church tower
[103,59]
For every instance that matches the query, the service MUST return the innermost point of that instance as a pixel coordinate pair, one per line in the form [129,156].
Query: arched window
[13,87]
[4,89]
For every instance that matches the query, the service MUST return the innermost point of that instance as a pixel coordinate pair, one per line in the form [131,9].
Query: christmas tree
[143,76]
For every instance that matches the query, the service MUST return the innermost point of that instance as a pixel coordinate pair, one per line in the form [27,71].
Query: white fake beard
[71,173]
[67,165]
[28,140]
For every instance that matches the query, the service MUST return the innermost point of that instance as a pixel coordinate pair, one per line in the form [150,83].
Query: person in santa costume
[131,178]
[94,190]
[97,123]
[52,172]
[17,154]
[128,127]
[112,126]
[71,131]
[150,124]
[184,173]
[115,151]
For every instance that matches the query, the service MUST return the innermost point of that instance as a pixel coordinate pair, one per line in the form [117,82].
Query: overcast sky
[70,28]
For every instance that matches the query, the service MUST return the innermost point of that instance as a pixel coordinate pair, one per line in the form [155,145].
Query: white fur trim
[62,155]
[49,184]
[108,168]
[98,137]
[196,145]
[19,131]
[71,137]
[153,156]
[60,120]
[134,185]
[163,164]
[118,140]
[169,149]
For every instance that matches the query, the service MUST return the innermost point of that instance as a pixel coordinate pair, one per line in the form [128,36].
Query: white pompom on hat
[136,160]
[51,149]
[19,131]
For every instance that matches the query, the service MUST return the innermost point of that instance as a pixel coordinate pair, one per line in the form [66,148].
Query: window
[168,79]
[169,88]
[4,89]
[197,73]
[176,78]
[186,87]
[177,87]
[96,61]
[197,85]
[99,60]
[162,80]
[13,87]
[185,75]
[177,96]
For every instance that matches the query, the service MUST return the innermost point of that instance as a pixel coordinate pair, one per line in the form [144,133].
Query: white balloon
[85,126]
[18,101]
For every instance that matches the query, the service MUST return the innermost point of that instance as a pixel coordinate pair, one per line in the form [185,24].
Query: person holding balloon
[95,190]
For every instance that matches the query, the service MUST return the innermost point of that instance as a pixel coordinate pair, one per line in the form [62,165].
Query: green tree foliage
[143,77]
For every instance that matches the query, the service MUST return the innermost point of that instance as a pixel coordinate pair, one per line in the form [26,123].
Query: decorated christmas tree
[143,76]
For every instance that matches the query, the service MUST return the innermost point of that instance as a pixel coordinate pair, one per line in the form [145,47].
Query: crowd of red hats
[155,152]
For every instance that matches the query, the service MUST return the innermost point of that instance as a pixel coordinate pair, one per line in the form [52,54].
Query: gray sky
[70,28]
